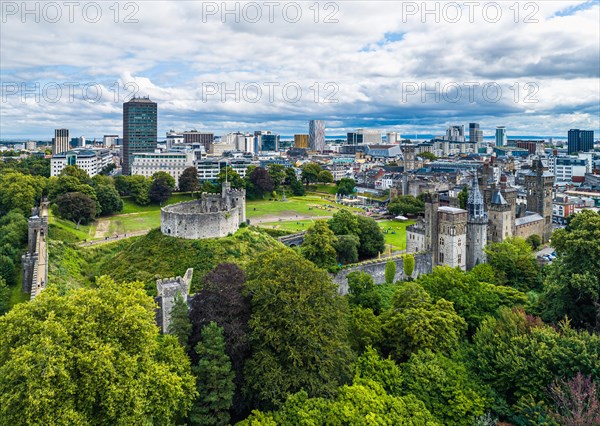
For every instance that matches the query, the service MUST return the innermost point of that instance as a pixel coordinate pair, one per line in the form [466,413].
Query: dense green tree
[371,238]
[463,197]
[92,356]
[364,328]
[384,371]
[572,285]
[344,222]
[166,178]
[406,204]
[261,181]
[109,200]
[64,184]
[20,191]
[221,300]
[310,173]
[346,186]
[390,271]
[35,165]
[233,177]
[318,245]
[408,264]
[77,172]
[346,247]
[325,176]
[180,325]
[106,170]
[412,312]
[428,155]
[277,172]
[214,380]
[445,386]
[519,356]
[362,292]
[298,329]
[473,300]
[534,241]
[4,296]
[7,268]
[122,184]
[160,190]
[77,207]
[188,181]
[514,263]
[297,188]
[209,187]
[363,403]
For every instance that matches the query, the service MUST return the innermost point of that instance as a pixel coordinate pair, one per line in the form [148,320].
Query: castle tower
[432,205]
[538,184]
[167,290]
[501,219]
[452,237]
[477,227]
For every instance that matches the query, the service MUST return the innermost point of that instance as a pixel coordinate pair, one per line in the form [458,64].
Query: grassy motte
[155,255]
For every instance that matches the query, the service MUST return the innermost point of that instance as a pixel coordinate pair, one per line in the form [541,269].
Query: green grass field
[289,225]
[122,224]
[397,240]
[130,207]
[309,205]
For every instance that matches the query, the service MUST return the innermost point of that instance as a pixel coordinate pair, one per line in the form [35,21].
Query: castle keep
[212,216]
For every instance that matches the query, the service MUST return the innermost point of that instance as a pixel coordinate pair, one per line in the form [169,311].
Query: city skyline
[378,61]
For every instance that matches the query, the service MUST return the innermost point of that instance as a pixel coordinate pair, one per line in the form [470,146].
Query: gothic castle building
[457,237]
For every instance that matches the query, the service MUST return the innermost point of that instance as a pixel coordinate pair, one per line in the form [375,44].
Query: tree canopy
[93,356]
[298,329]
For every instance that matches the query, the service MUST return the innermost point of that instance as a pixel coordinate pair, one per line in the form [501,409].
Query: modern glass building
[580,141]
[139,129]
[501,139]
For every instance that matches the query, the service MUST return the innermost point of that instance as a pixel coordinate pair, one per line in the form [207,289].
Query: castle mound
[155,255]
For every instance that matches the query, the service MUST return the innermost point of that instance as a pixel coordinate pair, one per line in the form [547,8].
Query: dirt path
[114,238]
[102,228]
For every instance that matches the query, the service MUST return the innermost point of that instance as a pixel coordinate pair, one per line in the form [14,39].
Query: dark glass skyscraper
[139,129]
[580,141]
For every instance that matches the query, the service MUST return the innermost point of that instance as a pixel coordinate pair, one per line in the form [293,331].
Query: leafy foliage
[572,286]
[371,238]
[310,173]
[408,263]
[514,263]
[75,206]
[221,301]
[214,379]
[188,181]
[390,271]
[412,312]
[346,186]
[346,247]
[406,204]
[361,291]
[91,357]
[318,245]
[445,386]
[298,329]
[180,325]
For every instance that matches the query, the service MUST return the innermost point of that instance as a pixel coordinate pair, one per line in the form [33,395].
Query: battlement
[168,289]
[212,216]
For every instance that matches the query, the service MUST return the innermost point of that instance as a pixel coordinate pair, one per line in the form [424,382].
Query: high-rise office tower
[501,139]
[139,129]
[316,135]
[269,142]
[455,133]
[300,141]
[61,142]
[475,135]
[392,137]
[580,141]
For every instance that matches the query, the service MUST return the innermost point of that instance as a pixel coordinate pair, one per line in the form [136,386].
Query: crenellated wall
[377,270]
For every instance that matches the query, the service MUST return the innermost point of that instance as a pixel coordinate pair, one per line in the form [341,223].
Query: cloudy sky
[412,67]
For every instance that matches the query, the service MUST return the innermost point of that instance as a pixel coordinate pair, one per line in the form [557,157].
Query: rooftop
[452,210]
